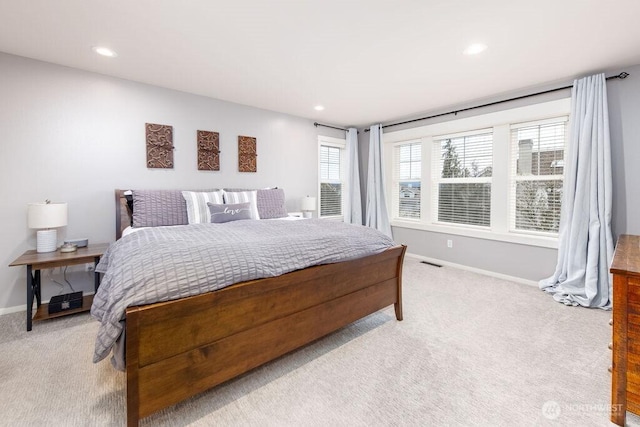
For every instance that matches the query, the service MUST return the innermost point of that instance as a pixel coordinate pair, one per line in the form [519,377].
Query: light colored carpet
[472,350]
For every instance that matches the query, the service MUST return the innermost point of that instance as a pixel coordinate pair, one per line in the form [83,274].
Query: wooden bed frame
[179,348]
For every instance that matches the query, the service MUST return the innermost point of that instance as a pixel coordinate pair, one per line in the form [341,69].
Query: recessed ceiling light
[318,108]
[475,49]
[104,51]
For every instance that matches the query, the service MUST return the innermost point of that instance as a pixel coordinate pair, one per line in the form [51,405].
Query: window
[462,170]
[407,180]
[537,171]
[332,173]
[495,176]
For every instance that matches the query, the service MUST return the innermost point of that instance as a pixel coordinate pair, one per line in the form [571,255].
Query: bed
[176,349]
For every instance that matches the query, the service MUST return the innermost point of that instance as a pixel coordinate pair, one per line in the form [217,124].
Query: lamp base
[307,214]
[46,240]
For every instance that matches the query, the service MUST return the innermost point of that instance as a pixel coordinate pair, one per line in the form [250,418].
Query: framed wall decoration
[208,150]
[247,154]
[159,146]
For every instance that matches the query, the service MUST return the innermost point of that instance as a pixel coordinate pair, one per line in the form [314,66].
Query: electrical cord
[50,277]
[64,275]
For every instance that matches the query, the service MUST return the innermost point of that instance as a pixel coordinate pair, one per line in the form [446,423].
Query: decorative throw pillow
[271,203]
[229,212]
[153,208]
[197,209]
[231,197]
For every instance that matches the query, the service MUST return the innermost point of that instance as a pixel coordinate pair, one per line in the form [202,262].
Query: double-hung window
[461,178]
[332,166]
[407,181]
[495,176]
[536,175]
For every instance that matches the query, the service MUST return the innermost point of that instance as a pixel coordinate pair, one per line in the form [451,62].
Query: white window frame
[342,145]
[395,178]
[514,178]
[500,122]
[436,179]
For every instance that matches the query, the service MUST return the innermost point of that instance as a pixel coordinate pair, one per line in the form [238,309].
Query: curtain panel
[585,244]
[376,208]
[353,202]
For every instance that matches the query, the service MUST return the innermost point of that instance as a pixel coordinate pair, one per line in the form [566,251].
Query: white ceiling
[366,61]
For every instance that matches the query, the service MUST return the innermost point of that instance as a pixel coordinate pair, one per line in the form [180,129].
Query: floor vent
[430,263]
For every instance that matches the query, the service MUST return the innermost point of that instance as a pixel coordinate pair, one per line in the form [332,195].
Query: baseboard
[14,309]
[23,307]
[474,270]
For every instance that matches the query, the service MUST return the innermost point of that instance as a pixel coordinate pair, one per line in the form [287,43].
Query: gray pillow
[153,208]
[229,212]
[271,203]
[244,197]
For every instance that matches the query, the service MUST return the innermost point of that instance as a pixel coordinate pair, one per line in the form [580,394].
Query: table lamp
[308,205]
[45,217]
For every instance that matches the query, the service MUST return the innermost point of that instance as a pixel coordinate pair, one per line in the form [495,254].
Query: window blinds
[536,175]
[462,171]
[330,181]
[407,179]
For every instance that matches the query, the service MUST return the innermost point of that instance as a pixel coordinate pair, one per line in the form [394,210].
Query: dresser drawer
[633,383]
[633,340]
[625,374]
[633,403]
[634,319]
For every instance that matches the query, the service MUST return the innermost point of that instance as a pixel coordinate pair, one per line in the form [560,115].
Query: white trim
[333,218]
[473,132]
[541,111]
[514,178]
[14,309]
[335,142]
[469,180]
[480,233]
[531,123]
[341,144]
[501,183]
[474,270]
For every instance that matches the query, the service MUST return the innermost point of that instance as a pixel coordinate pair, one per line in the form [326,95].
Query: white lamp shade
[46,215]
[308,204]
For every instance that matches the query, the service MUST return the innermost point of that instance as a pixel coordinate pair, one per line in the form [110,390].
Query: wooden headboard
[123,213]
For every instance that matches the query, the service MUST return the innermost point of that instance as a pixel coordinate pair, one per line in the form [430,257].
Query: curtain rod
[622,75]
[316,124]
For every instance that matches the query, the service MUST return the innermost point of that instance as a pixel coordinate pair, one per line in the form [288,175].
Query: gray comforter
[167,263]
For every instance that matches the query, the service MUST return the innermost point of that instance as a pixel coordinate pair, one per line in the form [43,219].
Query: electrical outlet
[450,243]
[89,267]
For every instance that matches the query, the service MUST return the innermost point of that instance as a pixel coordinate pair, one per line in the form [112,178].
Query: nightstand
[39,261]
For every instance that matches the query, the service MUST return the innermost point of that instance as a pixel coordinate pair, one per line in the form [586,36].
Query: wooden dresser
[625,370]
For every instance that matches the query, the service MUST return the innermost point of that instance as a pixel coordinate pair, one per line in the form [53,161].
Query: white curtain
[353,202]
[376,208]
[585,245]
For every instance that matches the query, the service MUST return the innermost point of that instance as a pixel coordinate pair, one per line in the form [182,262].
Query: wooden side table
[39,261]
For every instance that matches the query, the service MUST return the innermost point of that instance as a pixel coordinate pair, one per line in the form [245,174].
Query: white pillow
[233,197]
[197,209]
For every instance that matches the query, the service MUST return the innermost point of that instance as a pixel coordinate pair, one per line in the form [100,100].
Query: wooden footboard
[177,349]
